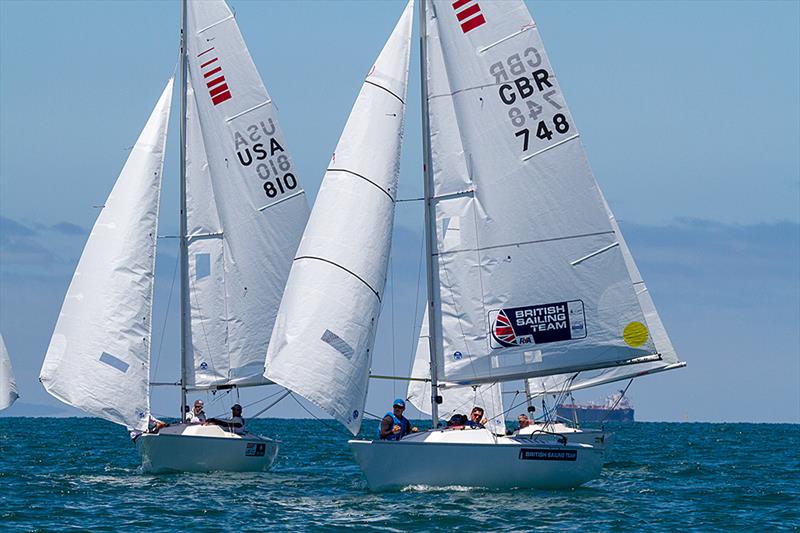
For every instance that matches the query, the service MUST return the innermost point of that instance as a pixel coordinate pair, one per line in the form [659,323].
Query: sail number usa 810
[256,147]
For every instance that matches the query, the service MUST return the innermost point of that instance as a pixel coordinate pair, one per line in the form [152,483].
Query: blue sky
[690,113]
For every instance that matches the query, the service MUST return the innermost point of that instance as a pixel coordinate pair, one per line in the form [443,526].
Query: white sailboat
[242,214]
[528,276]
[8,387]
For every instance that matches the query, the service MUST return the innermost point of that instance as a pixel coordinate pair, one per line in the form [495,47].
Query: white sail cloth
[98,359]
[322,344]
[530,273]
[246,208]
[455,400]
[8,387]
[669,358]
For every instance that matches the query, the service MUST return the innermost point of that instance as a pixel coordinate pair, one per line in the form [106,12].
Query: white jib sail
[99,356]
[246,208]
[322,344]
[455,400]
[533,281]
[669,358]
[8,387]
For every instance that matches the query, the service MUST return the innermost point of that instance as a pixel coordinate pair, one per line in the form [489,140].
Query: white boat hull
[198,448]
[593,437]
[476,458]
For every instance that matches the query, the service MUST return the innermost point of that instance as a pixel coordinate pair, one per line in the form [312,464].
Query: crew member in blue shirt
[394,425]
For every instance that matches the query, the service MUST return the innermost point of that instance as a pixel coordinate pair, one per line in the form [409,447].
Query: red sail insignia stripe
[218,89]
[207,63]
[473,23]
[467,13]
[504,331]
[212,72]
[221,98]
[207,51]
[458,3]
[215,81]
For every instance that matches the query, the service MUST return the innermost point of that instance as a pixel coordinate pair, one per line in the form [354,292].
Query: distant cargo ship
[615,408]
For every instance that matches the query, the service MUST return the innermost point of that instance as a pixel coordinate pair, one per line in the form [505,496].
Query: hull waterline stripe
[356,174]
[359,278]
[385,89]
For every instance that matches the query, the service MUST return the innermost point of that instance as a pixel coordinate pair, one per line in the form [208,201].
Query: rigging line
[391,295]
[376,417]
[286,393]
[251,404]
[193,288]
[603,421]
[324,422]
[414,334]
[402,200]
[166,316]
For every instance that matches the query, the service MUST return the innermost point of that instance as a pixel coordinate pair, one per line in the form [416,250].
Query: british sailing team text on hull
[243,210]
[495,122]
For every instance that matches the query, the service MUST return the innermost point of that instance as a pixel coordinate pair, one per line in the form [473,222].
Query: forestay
[530,275]
[8,387]
[455,400]
[669,359]
[322,344]
[98,359]
[246,208]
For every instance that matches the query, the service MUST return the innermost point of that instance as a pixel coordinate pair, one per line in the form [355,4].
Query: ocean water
[58,474]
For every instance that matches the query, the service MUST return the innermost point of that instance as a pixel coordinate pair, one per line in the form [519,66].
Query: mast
[429,218]
[183,244]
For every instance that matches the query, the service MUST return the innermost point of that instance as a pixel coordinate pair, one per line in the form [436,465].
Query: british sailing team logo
[537,324]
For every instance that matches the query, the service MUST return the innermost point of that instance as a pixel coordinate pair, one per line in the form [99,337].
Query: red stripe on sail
[207,51]
[215,81]
[467,13]
[473,23]
[212,72]
[458,3]
[218,89]
[207,63]
[221,98]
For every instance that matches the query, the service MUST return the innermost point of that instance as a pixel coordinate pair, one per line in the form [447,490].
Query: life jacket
[405,427]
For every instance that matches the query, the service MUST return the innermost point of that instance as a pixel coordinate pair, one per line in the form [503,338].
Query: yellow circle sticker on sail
[635,334]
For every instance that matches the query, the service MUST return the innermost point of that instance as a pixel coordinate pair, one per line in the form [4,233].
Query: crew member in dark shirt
[476,418]
[394,425]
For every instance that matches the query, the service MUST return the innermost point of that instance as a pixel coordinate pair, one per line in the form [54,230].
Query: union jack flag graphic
[215,81]
[468,13]
[502,330]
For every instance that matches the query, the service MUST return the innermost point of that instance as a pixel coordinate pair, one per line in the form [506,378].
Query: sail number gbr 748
[257,147]
[527,88]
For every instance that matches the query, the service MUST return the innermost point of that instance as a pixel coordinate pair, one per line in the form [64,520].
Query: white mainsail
[562,383]
[322,344]
[8,387]
[455,400]
[98,359]
[533,281]
[246,208]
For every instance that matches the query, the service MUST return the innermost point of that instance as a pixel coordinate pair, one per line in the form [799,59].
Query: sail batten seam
[246,111]
[448,252]
[385,89]
[359,278]
[217,23]
[363,178]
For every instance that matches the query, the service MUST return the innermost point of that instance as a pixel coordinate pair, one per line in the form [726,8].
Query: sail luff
[98,359]
[321,346]
[8,387]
